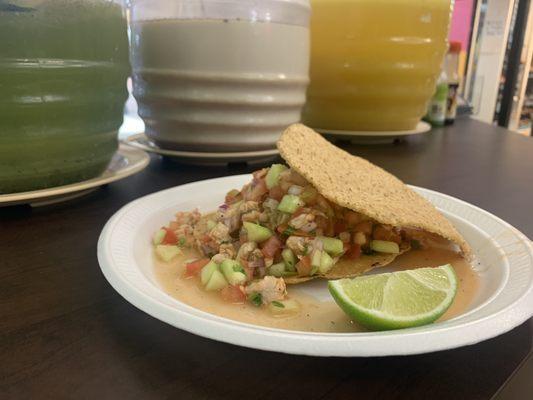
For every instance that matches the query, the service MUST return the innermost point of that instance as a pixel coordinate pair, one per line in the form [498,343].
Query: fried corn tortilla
[361,186]
[350,268]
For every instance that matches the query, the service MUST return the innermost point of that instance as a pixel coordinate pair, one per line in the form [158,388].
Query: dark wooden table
[65,333]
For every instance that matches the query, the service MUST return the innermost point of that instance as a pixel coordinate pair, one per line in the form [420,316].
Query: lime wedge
[397,300]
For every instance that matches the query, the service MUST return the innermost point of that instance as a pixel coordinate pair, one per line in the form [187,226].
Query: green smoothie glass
[63,71]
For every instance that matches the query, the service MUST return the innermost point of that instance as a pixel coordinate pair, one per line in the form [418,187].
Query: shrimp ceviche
[277,229]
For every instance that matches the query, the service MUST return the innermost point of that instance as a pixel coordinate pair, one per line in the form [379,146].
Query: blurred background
[495,64]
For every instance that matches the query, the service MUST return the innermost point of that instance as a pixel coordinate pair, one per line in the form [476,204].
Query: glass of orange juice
[374,63]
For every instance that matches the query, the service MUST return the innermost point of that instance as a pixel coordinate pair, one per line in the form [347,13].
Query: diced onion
[295,190]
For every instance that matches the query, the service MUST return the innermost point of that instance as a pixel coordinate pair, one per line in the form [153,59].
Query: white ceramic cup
[219,75]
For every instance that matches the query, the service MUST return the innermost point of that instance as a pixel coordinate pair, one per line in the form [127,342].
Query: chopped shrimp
[246,249]
[188,217]
[251,216]
[298,244]
[220,233]
[270,288]
[228,250]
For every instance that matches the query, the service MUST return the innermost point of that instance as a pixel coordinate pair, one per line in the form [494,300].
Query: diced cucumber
[332,246]
[207,271]
[216,282]
[290,203]
[284,307]
[383,246]
[233,272]
[237,278]
[289,258]
[167,252]
[316,255]
[277,269]
[158,237]
[230,266]
[326,263]
[272,176]
[257,233]
[289,273]
[256,299]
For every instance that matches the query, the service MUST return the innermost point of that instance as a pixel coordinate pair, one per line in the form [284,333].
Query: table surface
[65,333]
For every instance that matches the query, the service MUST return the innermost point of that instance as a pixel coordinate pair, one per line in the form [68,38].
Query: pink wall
[461,20]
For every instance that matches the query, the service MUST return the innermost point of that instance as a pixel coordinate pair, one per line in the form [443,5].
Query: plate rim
[144,160]
[254,334]
[132,141]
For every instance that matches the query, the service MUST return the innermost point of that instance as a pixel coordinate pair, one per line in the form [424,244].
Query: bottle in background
[436,114]
[451,63]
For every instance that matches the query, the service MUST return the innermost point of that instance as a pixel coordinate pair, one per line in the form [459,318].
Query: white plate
[126,161]
[505,297]
[140,141]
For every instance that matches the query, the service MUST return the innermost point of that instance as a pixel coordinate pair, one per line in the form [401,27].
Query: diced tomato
[170,237]
[304,266]
[339,226]
[271,247]
[382,233]
[233,294]
[365,227]
[353,252]
[282,228]
[194,268]
[352,218]
[321,222]
[329,230]
[276,193]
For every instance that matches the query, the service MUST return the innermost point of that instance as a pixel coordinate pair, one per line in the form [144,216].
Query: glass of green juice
[63,71]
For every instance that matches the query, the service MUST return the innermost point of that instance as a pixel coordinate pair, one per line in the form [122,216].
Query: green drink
[63,69]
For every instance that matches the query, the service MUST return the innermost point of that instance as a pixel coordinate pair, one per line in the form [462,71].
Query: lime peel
[413,290]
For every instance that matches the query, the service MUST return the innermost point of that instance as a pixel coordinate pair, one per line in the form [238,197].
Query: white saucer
[375,136]
[140,141]
[126,161]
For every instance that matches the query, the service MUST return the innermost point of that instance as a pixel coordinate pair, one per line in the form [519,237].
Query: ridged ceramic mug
[219,75]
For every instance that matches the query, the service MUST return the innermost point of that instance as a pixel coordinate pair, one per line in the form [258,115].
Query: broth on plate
[314,315]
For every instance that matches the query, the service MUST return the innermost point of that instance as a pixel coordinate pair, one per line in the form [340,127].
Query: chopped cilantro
[278,304]
[256,299]
[289,231]
[182,241]
[238,268]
